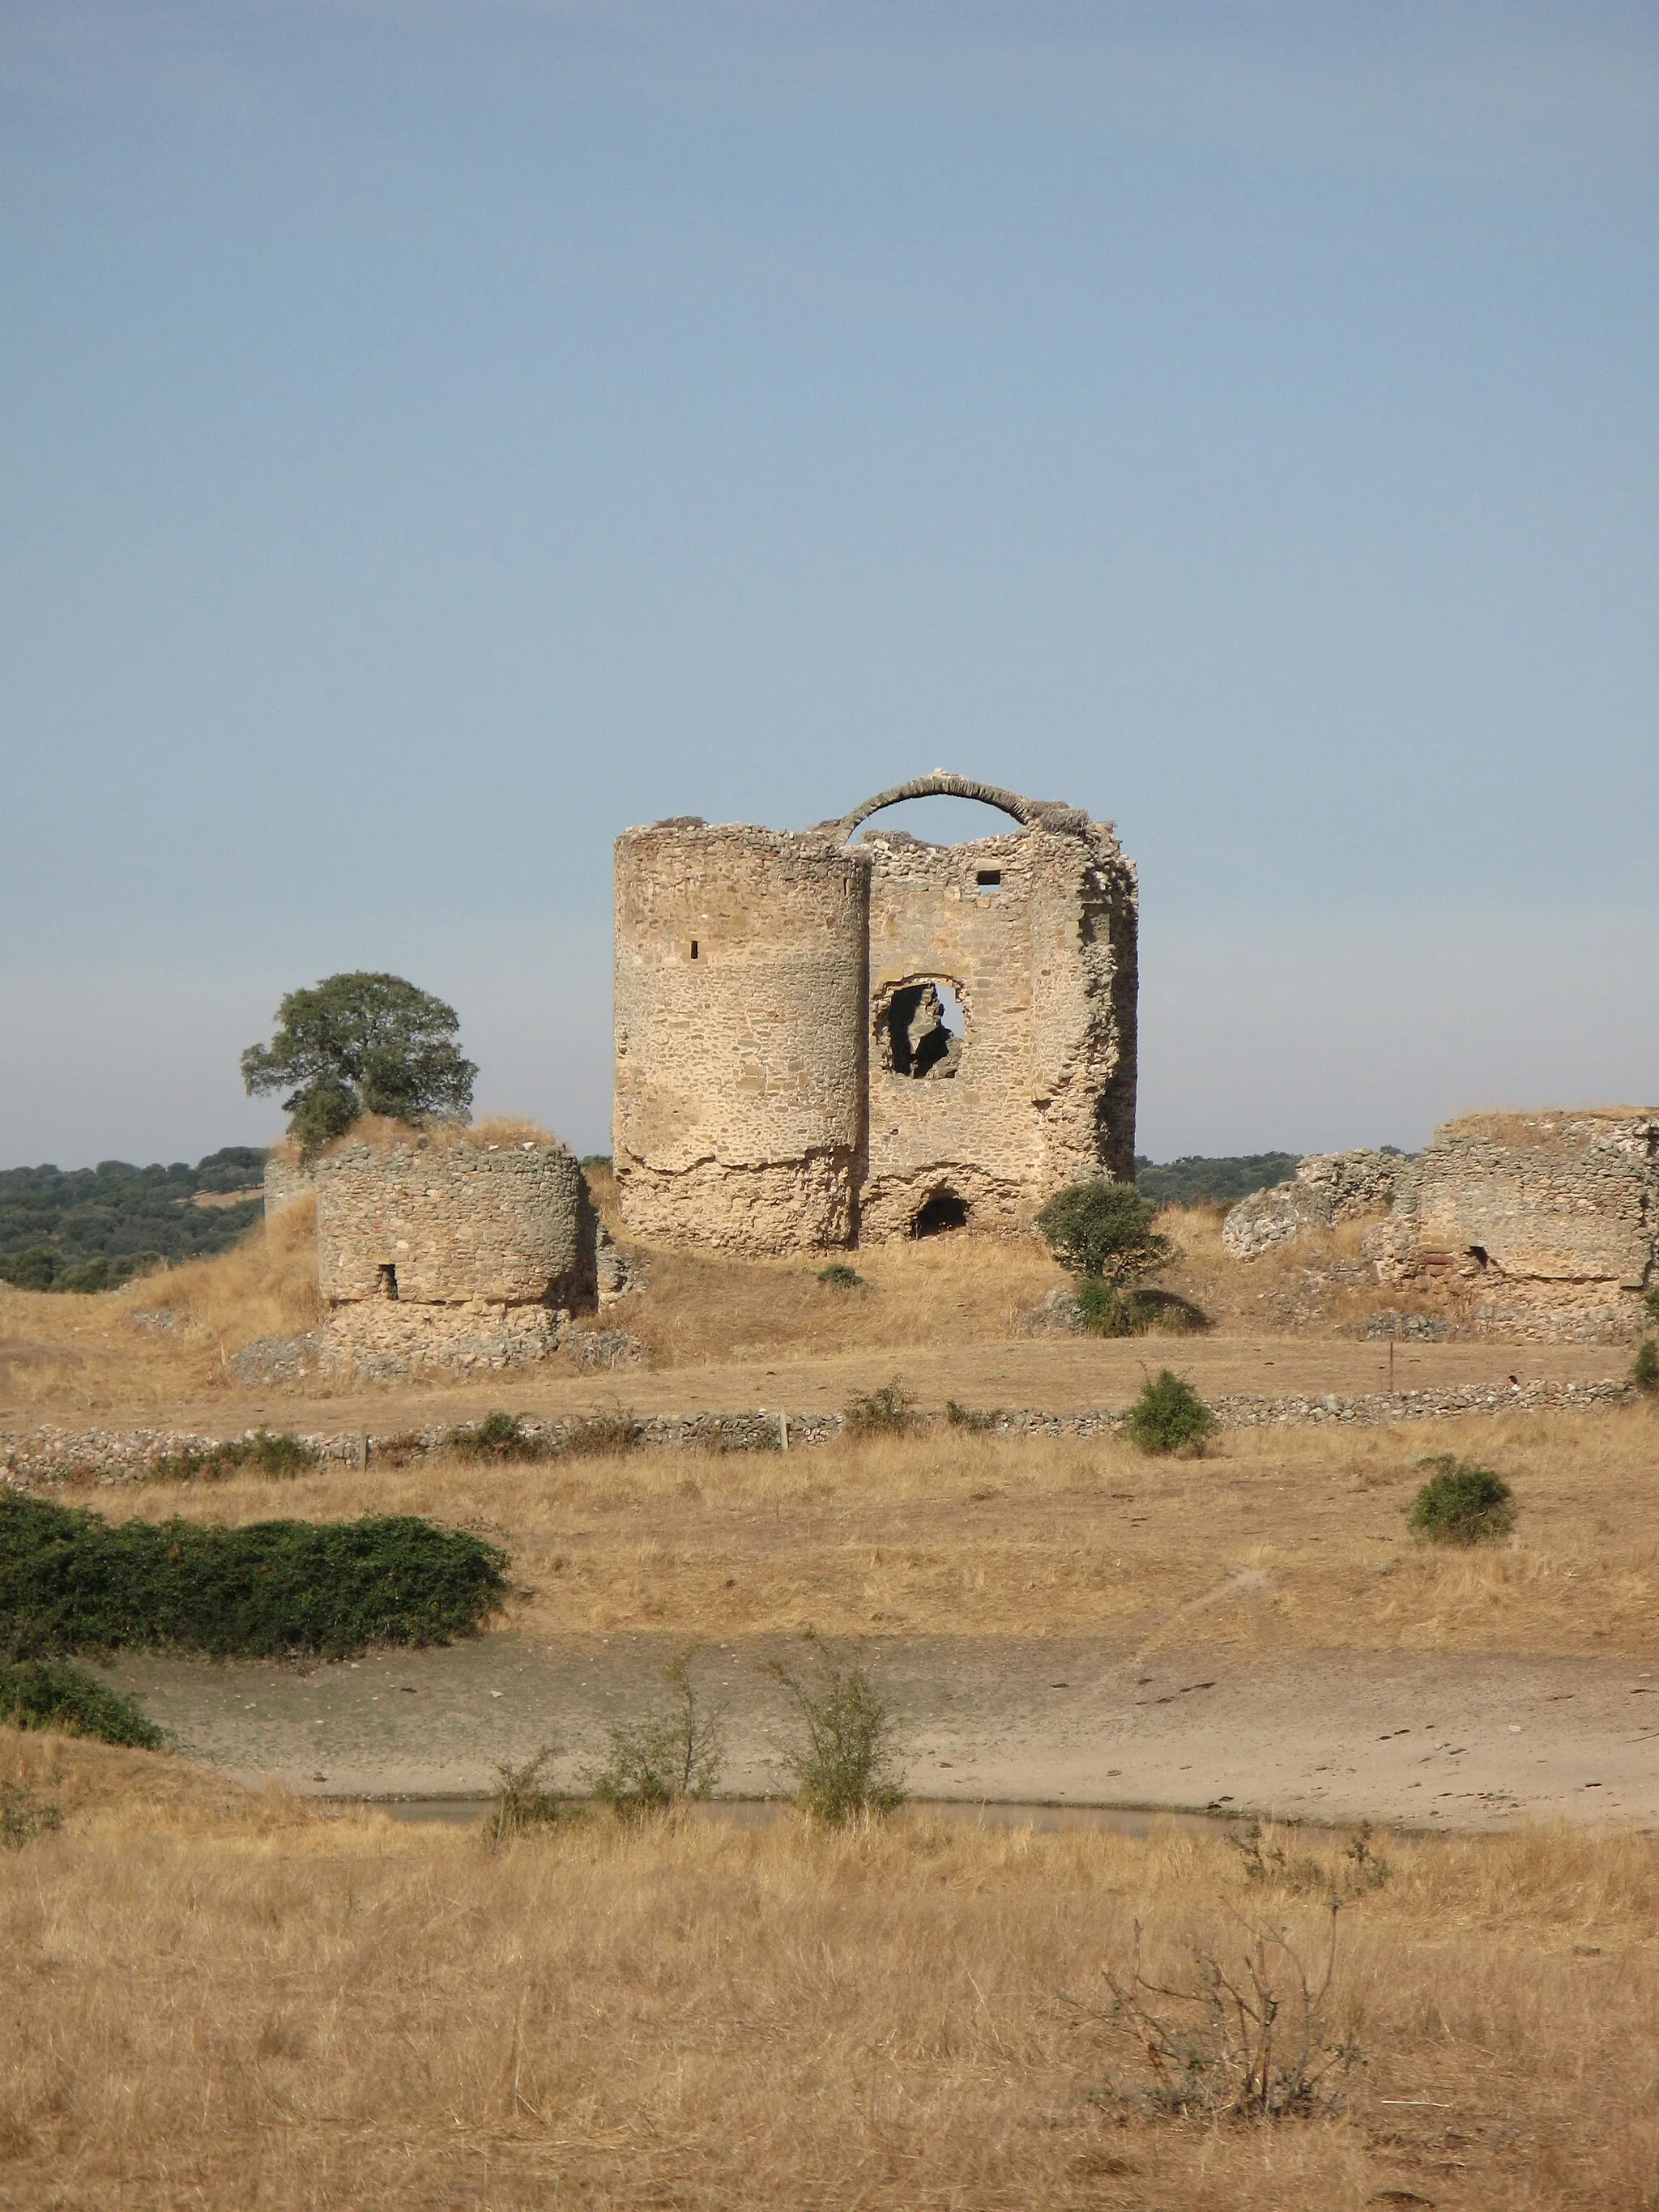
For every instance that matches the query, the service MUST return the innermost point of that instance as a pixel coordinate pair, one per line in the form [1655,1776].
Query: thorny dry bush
[1249,2035]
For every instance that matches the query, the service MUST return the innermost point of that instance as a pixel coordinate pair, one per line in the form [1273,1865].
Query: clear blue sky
[432,437]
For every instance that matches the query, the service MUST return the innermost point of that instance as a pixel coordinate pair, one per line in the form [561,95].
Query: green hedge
[56,1694]
[71,1581]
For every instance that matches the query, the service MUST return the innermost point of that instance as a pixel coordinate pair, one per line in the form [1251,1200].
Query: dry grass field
[956,1534]
[218,1999]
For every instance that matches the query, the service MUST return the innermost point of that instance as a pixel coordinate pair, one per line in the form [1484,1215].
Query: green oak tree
[361,1043]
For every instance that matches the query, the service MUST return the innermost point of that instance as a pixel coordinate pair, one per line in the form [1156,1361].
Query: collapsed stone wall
[286,1179]
[1325,1188]
[787,1073]
[1536,1224]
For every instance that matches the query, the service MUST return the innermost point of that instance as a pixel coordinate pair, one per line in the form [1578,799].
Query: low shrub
[1105,1310]
[838,1276]
[1104,1230]
[1251,2040]
[1169,1416]
[23,1817]
[605,1434]
[56,1694]
[522,1804]
[1462,1504]
[1644,1371]
[667,1759]
[498,1435]
[888,1412]
[844,1759]
[71,1581]
[282,1455]
[966,1417]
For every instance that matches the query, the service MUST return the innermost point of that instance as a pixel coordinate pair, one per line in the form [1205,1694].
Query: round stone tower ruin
[820,1044]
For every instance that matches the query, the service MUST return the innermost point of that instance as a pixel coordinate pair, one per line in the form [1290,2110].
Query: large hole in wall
[920,1029]
[943,1213]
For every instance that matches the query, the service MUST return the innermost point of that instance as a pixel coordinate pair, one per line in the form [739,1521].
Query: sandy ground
[1425,1739]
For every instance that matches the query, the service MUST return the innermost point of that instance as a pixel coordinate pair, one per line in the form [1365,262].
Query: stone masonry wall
[1034,934]
[739,1035]
[285,1179]
[1542,1224]
[454,1220]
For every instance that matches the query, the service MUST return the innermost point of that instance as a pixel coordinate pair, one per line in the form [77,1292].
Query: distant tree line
[1193,1180]
[93,1229]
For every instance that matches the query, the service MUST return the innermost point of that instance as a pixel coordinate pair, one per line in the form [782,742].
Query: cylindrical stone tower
[740,1035]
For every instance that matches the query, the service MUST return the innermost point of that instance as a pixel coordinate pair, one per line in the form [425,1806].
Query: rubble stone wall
[439,1219]
[1543,1224]
[782,1079]
[286,1181]
[1325,1188]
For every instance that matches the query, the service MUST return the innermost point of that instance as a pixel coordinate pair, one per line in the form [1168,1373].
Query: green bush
[1462,1504]
[498,1435]
[521,1805]
[844,1757]
[56,1694]
[1169,1416]
[888,1412]
[665,1760]
[1104,1230]
[284,1454]
[71,1581]
[1645,1373]
[838,1276]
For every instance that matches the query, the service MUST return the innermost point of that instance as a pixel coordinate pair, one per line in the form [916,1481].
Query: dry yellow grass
[954,1534]
[942,1290]
[88,1355]
[218,1999]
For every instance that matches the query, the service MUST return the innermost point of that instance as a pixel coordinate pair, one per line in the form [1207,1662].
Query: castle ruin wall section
[1545,1224]
[741,1017]
[1034,934]
[286,1181]
[436,1221]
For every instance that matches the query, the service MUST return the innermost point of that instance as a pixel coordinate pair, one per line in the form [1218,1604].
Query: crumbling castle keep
[820,1044]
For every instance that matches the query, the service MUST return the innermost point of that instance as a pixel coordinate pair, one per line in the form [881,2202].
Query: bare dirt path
[1427,1739]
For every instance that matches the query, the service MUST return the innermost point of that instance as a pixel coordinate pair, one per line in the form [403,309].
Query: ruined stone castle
[821,1042]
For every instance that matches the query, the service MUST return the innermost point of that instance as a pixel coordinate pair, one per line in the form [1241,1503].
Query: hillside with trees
[93,1229]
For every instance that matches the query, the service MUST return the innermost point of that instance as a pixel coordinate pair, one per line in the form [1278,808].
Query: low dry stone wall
[51,1455]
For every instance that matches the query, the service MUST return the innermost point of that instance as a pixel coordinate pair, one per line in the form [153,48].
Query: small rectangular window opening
[694,948]
[989,879]
[388,1283]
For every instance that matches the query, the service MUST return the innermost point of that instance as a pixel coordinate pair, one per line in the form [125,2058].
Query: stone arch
[940,785]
